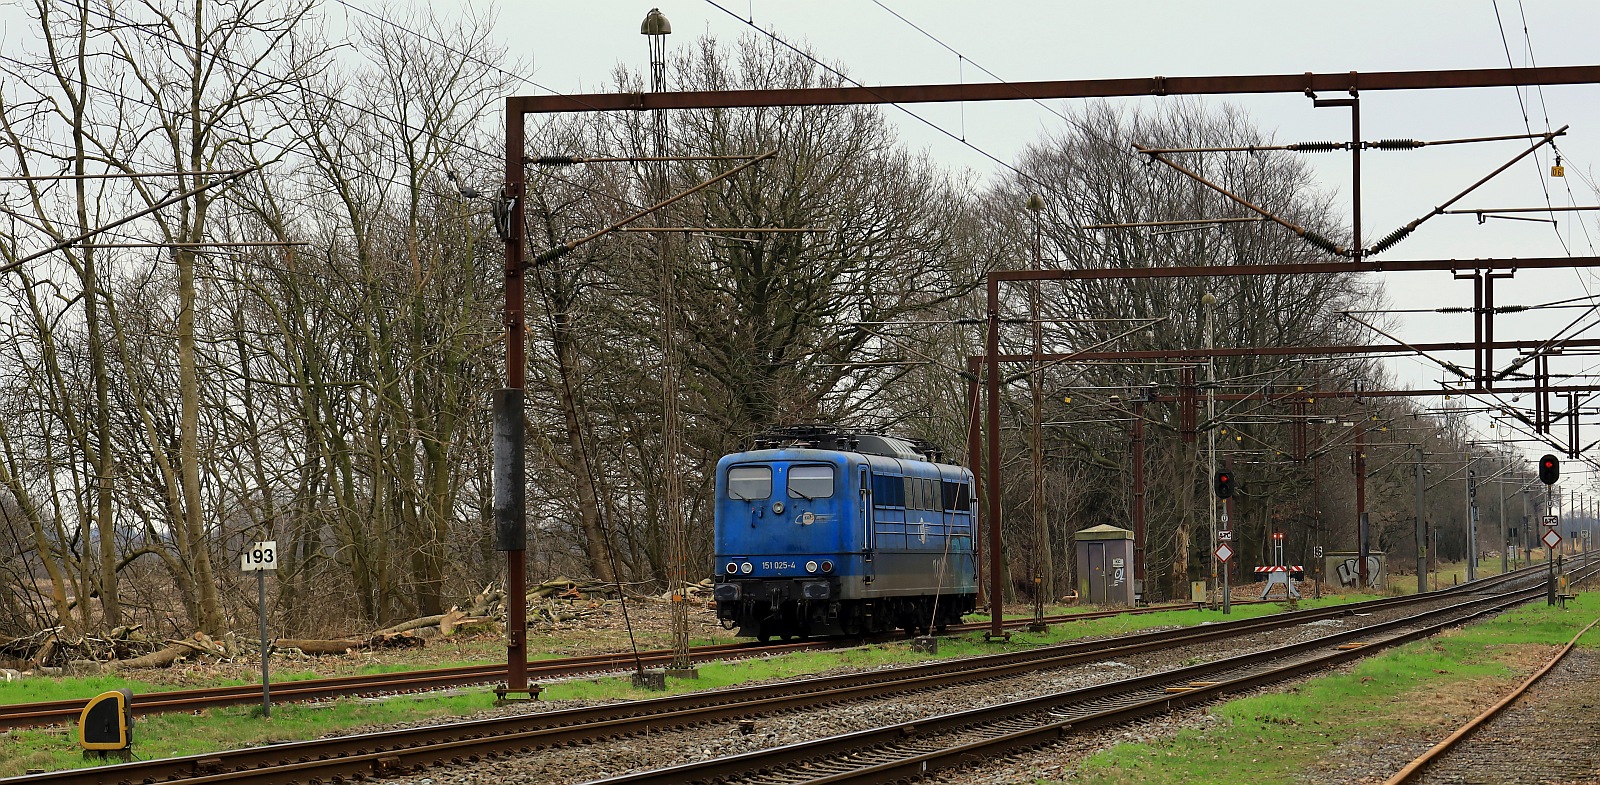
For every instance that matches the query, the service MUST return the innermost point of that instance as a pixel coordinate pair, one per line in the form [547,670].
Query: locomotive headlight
[827,566]
[730,568]
[811,566]
[777,508]
[746,568]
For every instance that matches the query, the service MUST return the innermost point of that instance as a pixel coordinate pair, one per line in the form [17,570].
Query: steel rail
[858,754]
[22,715]
[49,712]
[1415,767]
[398,751]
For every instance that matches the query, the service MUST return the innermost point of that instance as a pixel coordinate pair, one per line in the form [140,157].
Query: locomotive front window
[749,482]
[810,482]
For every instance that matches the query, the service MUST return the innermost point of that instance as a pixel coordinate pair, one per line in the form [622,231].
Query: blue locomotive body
[841,534]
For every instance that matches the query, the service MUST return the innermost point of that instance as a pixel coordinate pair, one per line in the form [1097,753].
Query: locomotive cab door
[866,511]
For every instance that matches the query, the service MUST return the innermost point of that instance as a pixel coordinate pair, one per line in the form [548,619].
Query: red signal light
[1223,485]
[1549,469]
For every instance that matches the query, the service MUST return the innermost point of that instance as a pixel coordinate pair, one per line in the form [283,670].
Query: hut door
[1097,572]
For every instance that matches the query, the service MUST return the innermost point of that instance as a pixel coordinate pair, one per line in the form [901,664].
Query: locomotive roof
[824,437]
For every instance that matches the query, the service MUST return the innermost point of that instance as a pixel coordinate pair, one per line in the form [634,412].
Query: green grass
[169,735]
[1119,625]
[1416,690]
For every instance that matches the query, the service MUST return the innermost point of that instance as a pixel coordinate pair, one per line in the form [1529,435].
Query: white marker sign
[261,556]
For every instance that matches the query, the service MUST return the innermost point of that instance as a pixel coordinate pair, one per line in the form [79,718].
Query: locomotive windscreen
[750,482]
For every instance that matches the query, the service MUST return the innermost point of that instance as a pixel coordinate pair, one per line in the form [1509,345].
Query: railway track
[1522,749]
[401,751]
[906,751]
[21,715]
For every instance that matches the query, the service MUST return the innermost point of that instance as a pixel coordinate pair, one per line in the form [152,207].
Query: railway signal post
[1549,472]
[1224,490]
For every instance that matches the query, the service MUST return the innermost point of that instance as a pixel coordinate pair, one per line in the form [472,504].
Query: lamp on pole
[656,28]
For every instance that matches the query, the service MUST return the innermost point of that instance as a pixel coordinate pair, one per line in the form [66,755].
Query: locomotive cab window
[810,482]
[749,482]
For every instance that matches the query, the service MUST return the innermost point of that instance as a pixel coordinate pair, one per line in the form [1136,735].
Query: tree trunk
[598,547]
[211,620]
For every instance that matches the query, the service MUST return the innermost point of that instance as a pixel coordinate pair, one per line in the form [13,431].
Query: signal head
[1224,485]
[1549,469]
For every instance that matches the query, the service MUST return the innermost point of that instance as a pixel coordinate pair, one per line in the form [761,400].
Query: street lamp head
[1208,299]
[655,23]
[1035,204]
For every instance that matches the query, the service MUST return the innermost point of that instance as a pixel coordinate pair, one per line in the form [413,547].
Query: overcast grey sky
[574,47]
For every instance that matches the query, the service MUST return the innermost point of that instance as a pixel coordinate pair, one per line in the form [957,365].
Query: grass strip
[1416,692]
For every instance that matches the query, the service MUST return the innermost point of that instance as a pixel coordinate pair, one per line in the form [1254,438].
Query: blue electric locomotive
[826,531]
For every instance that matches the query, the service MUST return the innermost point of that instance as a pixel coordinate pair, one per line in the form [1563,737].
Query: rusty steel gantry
[509,469]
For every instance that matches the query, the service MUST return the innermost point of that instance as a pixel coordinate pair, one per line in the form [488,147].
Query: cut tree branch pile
[553,602]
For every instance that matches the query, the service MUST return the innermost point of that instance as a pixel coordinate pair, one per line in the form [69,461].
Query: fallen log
[407,626]
[160,658]
[448,622]
[333,646]
[42,656]
[486,601]
[203,644]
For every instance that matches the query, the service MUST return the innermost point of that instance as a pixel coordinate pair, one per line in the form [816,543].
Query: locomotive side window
[917,494]
[957,496]
[810,482]
[749,482]
[888,491]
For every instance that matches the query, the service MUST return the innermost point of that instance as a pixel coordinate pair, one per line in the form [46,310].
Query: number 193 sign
[260,556]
